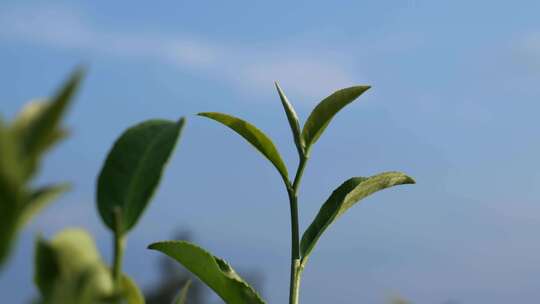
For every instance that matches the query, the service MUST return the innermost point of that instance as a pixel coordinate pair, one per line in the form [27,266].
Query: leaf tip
[154,246]
[204,114]
[410,180]
[181,122]
[361,88]
[404,179]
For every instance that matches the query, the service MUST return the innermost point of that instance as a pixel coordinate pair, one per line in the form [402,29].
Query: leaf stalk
[119,246]
[296,267]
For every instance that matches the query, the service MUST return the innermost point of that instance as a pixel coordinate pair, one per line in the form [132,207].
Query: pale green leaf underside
[343,198]
[133,169]
[254,136]
[292,117]
[213,271]
[323,113]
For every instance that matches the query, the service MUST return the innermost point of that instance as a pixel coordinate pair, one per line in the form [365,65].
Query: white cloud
[248,68]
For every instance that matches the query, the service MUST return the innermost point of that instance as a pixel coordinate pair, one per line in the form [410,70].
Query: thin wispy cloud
[69,29]
[247,68]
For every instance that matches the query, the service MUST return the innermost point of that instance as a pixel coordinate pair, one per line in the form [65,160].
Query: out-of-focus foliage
[23,143]
[69,269]
[133,169]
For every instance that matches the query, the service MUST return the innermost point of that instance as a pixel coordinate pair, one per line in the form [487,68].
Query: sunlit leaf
[213,271]
[343,198]
[182,296]
[323,113]
[133,169]
[292,117]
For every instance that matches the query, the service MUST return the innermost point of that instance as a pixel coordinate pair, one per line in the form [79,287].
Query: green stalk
[119,246]
[296,268]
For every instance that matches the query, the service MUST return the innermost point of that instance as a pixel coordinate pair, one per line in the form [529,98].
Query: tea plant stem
[294,289]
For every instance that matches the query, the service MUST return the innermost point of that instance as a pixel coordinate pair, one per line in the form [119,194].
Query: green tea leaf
[343,198]
[182,296]
[255,137]
[292,117]
[323,113]
[213,271]
[132,170]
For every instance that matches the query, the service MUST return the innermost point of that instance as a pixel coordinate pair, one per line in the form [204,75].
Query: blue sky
[454,103]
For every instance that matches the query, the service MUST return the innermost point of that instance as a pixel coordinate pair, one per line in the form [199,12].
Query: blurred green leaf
[255,137]
[10,163]
[292,117]
[182,296]
[213,271]
[69,268]
[343,198]
[9,216]
[133,169]
[11,186]
[37,127]
[39,198]
[22,146]
[29,116]
[323,113]
[47,268]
